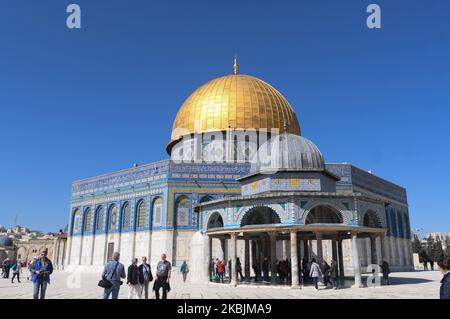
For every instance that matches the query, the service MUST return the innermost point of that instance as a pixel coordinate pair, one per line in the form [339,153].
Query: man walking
[386,271]
[145,276]
[134,288]
[17,269]
[6,267]
[163,272]
[42,269]
[114,271]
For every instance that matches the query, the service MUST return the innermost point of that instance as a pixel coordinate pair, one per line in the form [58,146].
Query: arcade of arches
[261,230]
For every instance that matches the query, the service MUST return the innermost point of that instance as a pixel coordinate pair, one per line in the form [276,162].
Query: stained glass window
[112,218]
[182,213]
[141,214]
[157,211]
[88,220]
[76,221]
[100,219]
[126,213]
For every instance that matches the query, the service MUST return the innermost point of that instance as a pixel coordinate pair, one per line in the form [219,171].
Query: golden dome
[237,101]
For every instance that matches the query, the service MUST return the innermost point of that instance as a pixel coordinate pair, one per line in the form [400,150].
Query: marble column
[356,261]
[247,260]
[294,260]
[306,249]
[340,259]
[373,250]
[334,250]
[233,282]
[273,257]
[384,249]
[319,248]
[379,249]
[284,247]
[222,248]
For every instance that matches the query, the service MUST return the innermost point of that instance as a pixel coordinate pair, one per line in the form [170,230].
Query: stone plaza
[67,285]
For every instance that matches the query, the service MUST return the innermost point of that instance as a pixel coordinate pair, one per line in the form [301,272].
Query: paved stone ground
[421,285]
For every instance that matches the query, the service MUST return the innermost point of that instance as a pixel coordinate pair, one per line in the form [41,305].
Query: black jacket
[133,275]
[445,287]
[141,273]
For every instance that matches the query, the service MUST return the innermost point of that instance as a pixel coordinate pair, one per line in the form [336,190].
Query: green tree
[416,245]
[438,251]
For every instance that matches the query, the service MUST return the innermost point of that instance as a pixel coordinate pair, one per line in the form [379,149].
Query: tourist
[315,273]
[145,276]
[425,264]
[230,270]
[6,267]
[163,272]
[334,274]
[386,271]
[265,268]
[221,271]
[432,264]
[239,269]
[17,270]
[444,267]
[216,262]
[30,268]
[42,269]
[283,272]
[212,267]
[326,275]
[134,288]
[114,271]
[305,270]
[184,270]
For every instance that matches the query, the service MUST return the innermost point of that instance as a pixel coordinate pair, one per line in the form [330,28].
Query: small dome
[6,241]
[287,152]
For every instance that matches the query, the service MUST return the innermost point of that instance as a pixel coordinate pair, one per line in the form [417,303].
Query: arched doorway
[323,214]
[260,216]
[215,221]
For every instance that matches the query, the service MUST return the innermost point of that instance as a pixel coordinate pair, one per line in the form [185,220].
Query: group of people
[138,277]
[427,261]
[312,272]
[219,268]
[16,267]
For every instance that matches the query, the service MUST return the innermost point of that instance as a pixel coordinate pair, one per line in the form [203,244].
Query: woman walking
[184,270]
[334,274]
[315,273]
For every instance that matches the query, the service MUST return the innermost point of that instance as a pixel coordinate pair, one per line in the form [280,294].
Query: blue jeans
[316,282]
[39,286]
[114,290]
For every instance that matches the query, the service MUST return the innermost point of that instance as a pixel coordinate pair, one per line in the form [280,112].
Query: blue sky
[79,103]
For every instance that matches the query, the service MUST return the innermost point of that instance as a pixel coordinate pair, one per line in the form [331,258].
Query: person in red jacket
[221,270]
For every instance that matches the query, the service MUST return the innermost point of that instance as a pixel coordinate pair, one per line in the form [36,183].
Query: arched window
[112,223]
[157,211]
[76,221]
[100,226]
[182,211]
[88,221]
[126,213]
[141,214]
